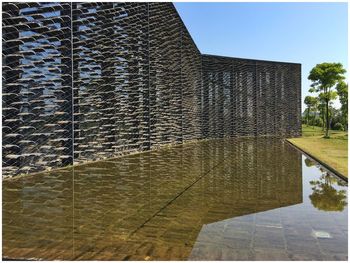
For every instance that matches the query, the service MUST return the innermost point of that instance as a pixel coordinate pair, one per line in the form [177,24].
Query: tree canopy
[324,77]
[310,101]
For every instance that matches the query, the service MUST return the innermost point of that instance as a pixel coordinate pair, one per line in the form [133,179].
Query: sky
[306,33]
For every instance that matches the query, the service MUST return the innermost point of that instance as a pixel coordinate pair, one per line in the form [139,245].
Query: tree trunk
[323,117]
[327,120]
[307,117]
[346,122]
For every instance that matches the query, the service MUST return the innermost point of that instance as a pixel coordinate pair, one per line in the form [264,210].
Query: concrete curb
[329,168]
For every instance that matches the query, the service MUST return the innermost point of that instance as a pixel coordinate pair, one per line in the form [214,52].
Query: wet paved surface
[233,199]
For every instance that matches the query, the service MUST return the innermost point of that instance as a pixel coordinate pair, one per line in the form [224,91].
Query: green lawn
[333,151]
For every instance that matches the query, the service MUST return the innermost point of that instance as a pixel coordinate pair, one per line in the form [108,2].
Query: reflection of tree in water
[325,197]
[309,162]
[341,183]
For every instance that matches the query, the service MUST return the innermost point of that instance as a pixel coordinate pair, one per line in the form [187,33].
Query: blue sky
[306,33]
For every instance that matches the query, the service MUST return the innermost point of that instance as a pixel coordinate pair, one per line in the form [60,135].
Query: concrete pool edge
[317,160]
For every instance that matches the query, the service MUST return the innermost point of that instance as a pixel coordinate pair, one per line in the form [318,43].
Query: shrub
[338,126]
[318,122]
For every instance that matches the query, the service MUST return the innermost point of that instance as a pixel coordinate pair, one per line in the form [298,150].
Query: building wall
[36,87]
[243,97]
[87,81]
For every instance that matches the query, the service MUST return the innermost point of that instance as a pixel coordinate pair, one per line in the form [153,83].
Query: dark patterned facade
[88,81]
[244,97]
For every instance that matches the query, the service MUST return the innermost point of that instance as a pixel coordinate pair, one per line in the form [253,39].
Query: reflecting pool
[229,199]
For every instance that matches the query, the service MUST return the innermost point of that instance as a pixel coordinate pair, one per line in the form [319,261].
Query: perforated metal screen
[37,86]
[87,81]
[243,97]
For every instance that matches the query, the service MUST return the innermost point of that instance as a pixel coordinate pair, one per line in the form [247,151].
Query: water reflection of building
[260,174]
[152,204]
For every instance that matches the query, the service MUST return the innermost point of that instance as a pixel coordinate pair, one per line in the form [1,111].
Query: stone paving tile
[206,251]
[236,242]
[269,239]
[333,246]
[340,256]
[305,256]
[302,247]
[271,254]
[236,254]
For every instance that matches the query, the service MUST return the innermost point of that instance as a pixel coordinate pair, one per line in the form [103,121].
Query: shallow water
[232,199]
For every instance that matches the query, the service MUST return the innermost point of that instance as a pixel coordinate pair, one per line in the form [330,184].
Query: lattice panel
[191,88]
[165,75]
[37,88]
[110,79]
[243,97]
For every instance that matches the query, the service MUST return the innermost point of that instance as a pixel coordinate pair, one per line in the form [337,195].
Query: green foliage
[329,96]
[324,77]
[309,163]
[318,122]
[335,116]
[304,120]
[325,196]
[311,103]
[317,131]
[338,126]
[342,90]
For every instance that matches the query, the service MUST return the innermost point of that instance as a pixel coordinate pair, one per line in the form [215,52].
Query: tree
[342,90]
[310,102]
[321,109]
[314,109]
[324,77]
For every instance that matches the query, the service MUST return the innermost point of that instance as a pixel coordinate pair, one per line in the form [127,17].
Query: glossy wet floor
[230,199]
